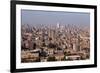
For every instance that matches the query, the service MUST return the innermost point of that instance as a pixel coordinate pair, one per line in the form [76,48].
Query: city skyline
[58,38]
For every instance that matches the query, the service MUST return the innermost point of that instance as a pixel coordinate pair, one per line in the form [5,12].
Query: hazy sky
[34,17]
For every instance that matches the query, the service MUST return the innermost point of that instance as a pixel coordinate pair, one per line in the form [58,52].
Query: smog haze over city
[33,17]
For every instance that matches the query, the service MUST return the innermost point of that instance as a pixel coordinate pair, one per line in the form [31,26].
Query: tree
[34,45]
[51,45]
[51,59]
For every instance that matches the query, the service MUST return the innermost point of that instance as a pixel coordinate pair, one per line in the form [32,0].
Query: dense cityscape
[58,42]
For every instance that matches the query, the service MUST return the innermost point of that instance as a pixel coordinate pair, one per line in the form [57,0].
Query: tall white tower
[58,25]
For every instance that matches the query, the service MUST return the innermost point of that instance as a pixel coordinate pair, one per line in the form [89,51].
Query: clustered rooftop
[54,43]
